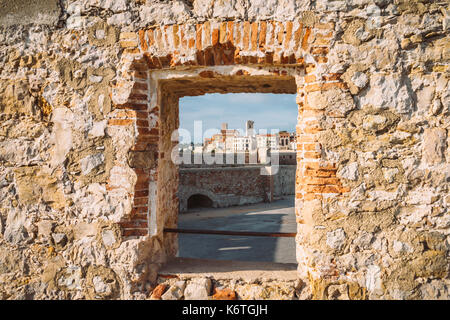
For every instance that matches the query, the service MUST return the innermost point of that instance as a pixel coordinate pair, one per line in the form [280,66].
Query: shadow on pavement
[274,217]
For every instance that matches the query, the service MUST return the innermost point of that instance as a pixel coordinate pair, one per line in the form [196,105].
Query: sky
[269,111]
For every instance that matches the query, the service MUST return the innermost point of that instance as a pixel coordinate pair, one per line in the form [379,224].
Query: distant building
[284,140]
[242,143]
[249,128]
[230,140]
[269,141]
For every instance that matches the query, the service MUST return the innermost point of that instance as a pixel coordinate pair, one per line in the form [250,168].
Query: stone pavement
[278,216]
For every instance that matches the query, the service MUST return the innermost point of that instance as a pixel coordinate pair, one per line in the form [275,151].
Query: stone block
[22,12]
[175,292]
[198,289]
[434,145]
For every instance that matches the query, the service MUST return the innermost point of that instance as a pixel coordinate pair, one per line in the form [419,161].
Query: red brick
[142,177]
[223,32]
[225,294]
[154,63]
[133,106]
[141,186]
[140,86]
[140,201]
[288,34]
[165,60]
[191,43]
[120,122]
[140,146]
[142,123]
[131,51]
[215,37]
[238,33]
[332,77]
[141,193]
[176,37]
[310,78]
[246,36]
[230,27]
[138,210]
[134,232]
[297,37]
[312,196]
[269,57]
[158,291]
[142,171]
[139,216]
[253,59]
[142,40]
[138,96]
[321,166]
[141,114]
[320,50]
[200,58]
[272,35]
[312,155]
[313,87]
[262,34]
[254,36]
[125,114]
[166,37]
[183,40]
[310,68]
[319,173]
[305,38]
[159,40]
[321,41]
[198,35]
[319,181]
[140,74]
[206,34]
[292,59]
[321,189]
[209,56]
[309,146]
[321,59]
[277,56]
[151,39]
[280,33]
[134,224]
[140,65]
[227,57]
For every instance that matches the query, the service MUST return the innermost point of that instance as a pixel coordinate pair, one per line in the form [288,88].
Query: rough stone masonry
[89,95]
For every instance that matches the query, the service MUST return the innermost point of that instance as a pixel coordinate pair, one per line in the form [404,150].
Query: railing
[232,233]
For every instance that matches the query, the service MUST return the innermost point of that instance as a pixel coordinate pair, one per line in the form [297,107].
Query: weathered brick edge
[287,44]
[136,112]
[229,42]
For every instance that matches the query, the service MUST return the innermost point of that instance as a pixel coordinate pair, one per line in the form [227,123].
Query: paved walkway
[278,216]
[187,268]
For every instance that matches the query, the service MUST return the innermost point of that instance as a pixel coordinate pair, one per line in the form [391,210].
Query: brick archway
[230,52]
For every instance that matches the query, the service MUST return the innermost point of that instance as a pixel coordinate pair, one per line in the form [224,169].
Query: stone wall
[284,181]
[89,95]
[233,186]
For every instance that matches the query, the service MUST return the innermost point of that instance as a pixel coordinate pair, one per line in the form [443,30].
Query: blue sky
[268,111]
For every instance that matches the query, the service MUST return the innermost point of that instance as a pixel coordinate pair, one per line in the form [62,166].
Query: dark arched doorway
[199,201]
